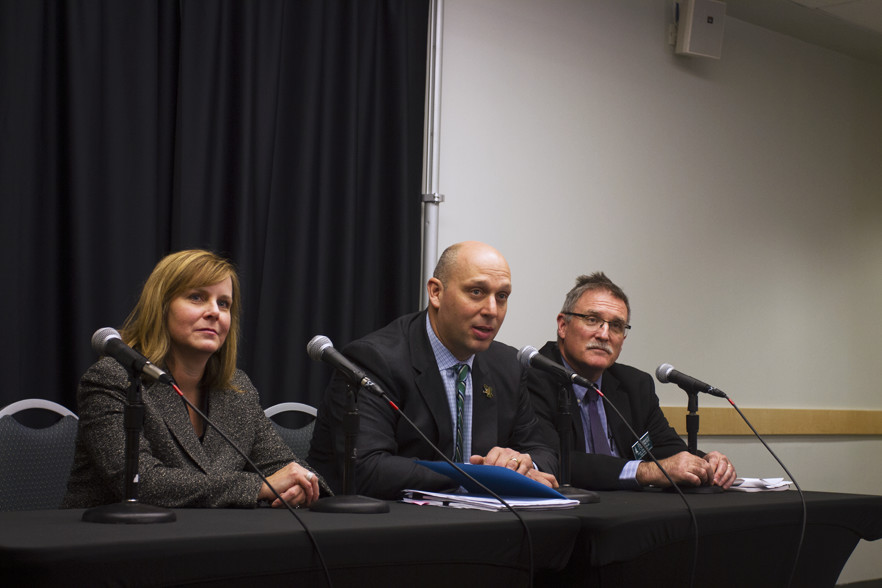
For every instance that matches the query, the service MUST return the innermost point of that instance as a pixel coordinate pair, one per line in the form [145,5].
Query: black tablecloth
[627,539]
[744,539]
[409,546]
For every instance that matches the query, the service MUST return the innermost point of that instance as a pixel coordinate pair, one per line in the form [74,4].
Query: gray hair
[595,281]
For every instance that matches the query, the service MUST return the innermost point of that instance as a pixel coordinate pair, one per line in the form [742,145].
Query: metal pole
[431,197]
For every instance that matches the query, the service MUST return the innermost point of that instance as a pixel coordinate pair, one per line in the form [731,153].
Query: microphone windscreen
[101,337]
[316,347]
[662,372]
[525,355]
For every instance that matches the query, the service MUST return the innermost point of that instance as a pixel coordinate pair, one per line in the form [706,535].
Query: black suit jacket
[633,393]
[400,359]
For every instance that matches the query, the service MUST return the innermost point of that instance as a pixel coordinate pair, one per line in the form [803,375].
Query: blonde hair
[146,328]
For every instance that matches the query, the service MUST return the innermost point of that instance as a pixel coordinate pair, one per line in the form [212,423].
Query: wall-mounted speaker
[700,28]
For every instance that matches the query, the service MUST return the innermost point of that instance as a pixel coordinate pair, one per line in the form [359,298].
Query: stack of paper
[517,490]
[759,484]
[474,501]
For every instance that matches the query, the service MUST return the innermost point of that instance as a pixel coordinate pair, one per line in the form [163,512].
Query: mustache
[600,345]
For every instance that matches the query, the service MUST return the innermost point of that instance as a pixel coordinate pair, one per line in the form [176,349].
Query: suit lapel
[612,389]
[167,402]
[575,409]
[429,384]
[221,412]
[576,419]
[485,435]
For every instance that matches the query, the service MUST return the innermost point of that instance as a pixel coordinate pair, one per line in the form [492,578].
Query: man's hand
[519,462]
[543,478]
[724,471]
[505,457]
[683,468]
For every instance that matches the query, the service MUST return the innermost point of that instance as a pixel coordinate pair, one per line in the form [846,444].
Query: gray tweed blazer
[177,469]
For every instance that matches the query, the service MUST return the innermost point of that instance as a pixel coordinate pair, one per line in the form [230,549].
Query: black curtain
[285,134]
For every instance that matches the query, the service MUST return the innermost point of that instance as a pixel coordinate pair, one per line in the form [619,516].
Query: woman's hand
[296,484]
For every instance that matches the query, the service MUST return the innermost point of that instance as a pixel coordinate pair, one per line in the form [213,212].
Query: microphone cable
[312,539]
[514,511]
[316,347]
[668,477]
[795,483]
[666,373]
[107,341]
[526,356]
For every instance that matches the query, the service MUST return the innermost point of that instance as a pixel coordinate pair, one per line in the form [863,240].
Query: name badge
[637,449]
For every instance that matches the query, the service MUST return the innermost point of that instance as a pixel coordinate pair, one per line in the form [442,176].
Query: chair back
[35,462]
[297,438]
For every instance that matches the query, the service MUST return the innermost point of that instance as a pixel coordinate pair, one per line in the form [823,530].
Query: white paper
[472,501]
[760,484]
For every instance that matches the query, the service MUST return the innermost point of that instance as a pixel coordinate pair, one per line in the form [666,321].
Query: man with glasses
[591,328]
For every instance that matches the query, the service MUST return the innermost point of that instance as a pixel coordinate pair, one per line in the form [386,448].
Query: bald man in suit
[415,360]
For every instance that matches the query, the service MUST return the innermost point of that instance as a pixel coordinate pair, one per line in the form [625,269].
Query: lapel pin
[488,391]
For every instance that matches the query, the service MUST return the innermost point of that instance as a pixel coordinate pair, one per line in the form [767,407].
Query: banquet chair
[298,438]
[35,462]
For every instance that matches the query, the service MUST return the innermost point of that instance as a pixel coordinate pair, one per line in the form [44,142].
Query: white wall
[738,202]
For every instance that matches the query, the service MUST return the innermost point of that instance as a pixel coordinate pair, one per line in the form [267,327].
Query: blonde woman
[187,322]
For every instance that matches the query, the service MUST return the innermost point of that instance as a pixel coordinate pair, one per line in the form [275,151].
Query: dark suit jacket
[176,469]
[400,359]
[633,393]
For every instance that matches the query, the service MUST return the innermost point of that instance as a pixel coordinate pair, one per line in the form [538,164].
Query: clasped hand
[690,470]
[519,462]
[297,486]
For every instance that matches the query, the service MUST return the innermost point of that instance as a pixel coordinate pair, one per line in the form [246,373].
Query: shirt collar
[443,357]
[580,390]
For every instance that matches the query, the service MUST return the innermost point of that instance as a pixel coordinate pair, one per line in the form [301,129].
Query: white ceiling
[850,26]
[860,13]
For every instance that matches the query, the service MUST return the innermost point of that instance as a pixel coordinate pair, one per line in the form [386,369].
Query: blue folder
[503,481]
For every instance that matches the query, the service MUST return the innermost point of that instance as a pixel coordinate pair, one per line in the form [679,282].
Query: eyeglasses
[593,322]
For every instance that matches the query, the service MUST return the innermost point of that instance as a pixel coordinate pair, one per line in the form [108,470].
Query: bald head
[468,297]
[471,251]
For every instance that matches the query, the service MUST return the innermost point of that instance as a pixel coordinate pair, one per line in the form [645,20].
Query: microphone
[528,356]
[666,373]
[107,342]
[320,348]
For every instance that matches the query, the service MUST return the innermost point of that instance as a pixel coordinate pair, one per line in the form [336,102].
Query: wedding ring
[309,476]
[516,460]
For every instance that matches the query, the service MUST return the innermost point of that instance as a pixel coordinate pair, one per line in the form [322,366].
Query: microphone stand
[692,422]
[130,511]
[565,434]
[349,501]
[692,442]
